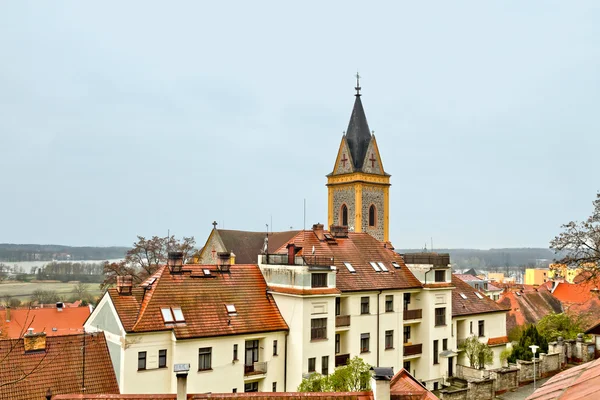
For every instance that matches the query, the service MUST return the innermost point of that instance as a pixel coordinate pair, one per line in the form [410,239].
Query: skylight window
[478,295]
[463,296]
[166,314]
[178,314]
[230,308]
[375,266]
[350,267]
[382,266]
[395,265]
[206,271]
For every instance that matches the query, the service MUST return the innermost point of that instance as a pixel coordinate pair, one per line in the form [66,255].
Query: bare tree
[580,242]
[146,256]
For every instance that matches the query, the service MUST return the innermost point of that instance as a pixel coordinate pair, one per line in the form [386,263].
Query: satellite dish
[313,250]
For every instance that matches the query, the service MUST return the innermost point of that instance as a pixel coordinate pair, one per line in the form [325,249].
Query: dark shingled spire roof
[358,134]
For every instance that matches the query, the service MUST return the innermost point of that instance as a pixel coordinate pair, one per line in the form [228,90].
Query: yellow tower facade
[358,187]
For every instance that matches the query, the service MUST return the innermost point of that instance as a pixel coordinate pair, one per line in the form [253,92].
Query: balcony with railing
[342,321]
[341,360]
[313,262]
[412,349]
[257,368]
[413,314]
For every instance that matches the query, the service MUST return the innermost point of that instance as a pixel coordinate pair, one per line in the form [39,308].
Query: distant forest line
[49,252]
[495,259]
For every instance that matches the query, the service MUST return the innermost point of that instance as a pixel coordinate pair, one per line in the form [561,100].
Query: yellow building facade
[536,276]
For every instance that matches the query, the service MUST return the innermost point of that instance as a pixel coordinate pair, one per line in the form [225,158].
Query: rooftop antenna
[271,223]
[432,243]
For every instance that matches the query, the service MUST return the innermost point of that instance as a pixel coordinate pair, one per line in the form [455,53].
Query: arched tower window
[372,215]
[344,215]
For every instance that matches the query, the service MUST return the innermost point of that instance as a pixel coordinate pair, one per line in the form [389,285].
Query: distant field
[23,290]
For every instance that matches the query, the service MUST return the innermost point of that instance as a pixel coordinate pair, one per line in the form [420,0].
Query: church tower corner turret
[358,187]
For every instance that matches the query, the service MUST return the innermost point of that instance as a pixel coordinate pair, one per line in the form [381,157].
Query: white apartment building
[219,320]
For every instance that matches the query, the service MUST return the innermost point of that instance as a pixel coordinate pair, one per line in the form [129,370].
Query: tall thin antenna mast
[432,244]
[304,226]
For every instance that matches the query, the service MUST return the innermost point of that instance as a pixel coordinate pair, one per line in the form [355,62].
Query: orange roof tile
[528,306]
[404,385]
[472,304]
[60,367]
[231,396]
[202,300]
[578,383]
[66,322]
[497,341]
[358,249]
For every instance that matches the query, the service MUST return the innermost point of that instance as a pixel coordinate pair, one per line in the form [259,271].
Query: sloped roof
[528,304]
[496,341]
[60,367]
[468,277]
[358,249]
[203,301]
[69,321]
[578,383]
[404,386]
[358,134]
[248,245]
[472,304]
[231,396]
[576,292]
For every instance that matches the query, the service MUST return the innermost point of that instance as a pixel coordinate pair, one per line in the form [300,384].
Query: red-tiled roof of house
[472,304]
[358,249]
[404,386]
[247,245]
[576,292]
[69,321]
[58,368]
[497,341]
[528,305]
[492,288]
[203,301]
[231,396]
[468,277]
[578,383]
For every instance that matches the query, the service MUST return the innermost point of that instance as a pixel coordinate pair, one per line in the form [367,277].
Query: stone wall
[373,196]
[468,373]
[456,394]
[549,363]
[343,196]
[505,379]
[526,370]
[481,390]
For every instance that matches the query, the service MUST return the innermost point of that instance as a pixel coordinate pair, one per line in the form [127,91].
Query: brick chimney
[339,231]
[124,284]
[34,341]
[175,262]
[319,231]
[7,314]
[380,382]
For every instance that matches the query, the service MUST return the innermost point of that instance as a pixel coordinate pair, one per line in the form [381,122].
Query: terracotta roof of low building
[248,245]
[468,277]
[528,305]
[359,250]
[497,341]
[231,396]
[203,300]
[69,321]
[471,303]
[578,383]
[404,386]
[59,367]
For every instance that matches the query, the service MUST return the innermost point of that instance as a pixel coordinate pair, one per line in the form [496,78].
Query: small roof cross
[214,224]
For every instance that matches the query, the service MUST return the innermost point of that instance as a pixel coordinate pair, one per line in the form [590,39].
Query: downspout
[430,269]
[378,294]
[285,362]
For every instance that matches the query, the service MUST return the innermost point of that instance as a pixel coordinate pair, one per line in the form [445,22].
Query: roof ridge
[147,297]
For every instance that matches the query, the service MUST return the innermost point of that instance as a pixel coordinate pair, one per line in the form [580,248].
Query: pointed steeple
[358,134]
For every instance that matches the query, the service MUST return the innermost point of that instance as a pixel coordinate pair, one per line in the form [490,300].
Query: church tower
[358,187]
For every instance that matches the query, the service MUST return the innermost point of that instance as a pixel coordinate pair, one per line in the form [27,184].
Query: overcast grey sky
[125,118]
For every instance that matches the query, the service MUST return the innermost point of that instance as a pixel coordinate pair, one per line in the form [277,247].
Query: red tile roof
[358,249]
[248,245]
[575,293]
[231,396]
[497,341]
[60,367]
[528,305]
[202,300]
[404,386]
[472,304]
[468,277]
[66,322]
[578,383]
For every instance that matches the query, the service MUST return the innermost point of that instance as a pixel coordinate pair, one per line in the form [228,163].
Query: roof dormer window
[230,309]
[463,296]
[382,266]
[478,295]
[172,314]
[375,266]
[350,267]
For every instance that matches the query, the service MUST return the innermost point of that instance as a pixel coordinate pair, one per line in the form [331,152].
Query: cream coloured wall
[225,375]
[494,326]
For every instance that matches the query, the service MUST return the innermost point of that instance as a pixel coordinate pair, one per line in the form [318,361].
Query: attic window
[178,314]
[172,314]
[167,315]
[478,295]
[230,308]
[395,265]
[350,267]
[382,266]
[206,272]
[375,266]
[463,296]
[517,293]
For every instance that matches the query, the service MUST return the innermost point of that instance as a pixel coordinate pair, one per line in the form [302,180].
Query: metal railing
[342,359]
[413,314]
[413,349]
[342,320]
[256,368]
[319,261]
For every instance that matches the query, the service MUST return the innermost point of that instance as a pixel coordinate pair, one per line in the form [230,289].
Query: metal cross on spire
[357,84]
